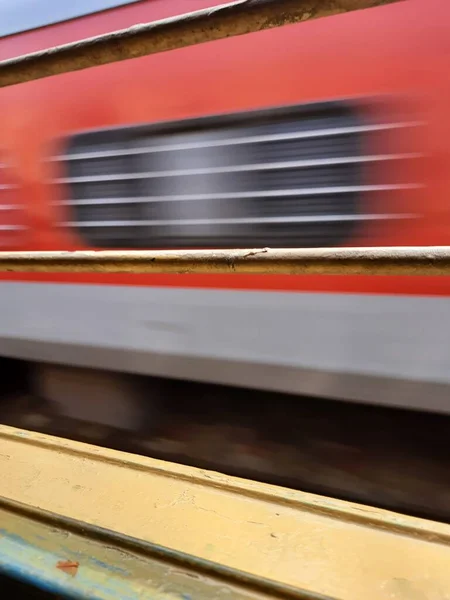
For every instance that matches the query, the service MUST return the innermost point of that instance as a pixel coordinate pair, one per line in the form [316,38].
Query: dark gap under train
[385,457]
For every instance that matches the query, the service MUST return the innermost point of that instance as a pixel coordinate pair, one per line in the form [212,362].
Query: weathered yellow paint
[330,547]
[67,557]
[236,18]
[334,261]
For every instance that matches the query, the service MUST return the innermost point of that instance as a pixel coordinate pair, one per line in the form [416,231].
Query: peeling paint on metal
[109,567]
[152,572]
[68,566]
[335,261]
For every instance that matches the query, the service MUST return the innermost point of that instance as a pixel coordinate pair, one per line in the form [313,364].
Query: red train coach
[332,132]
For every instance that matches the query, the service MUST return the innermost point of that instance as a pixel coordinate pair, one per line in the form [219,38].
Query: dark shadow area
[10,588]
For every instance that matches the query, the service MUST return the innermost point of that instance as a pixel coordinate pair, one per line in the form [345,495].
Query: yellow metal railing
[335,261]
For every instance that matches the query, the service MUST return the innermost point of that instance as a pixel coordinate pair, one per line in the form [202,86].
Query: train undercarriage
[389,458]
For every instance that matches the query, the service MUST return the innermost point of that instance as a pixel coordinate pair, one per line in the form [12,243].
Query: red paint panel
[339,284]
[401,49]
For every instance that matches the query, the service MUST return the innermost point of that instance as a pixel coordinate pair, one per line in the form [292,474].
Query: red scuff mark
[68,566]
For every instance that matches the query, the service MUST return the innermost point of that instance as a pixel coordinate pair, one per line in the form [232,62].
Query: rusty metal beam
[235,18]
[340,261]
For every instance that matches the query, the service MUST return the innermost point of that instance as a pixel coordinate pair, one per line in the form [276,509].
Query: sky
[20,15]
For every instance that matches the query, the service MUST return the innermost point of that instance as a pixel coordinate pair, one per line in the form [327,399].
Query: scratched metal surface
[322,261]
[330,548]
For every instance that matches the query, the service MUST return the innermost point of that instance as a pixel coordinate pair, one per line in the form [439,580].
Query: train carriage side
[325,133]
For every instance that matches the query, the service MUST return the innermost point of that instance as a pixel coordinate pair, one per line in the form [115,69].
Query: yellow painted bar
[70,558]
[235,18]
[334,261]
[302,541]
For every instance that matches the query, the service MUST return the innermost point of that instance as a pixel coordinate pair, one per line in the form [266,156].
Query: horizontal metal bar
[236,18]
[240,221]
[294,193]
[335,261]
[274,166]
[227,536]
[256,139]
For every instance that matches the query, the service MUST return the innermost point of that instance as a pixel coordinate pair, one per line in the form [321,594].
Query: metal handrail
[335,261]
[232,19]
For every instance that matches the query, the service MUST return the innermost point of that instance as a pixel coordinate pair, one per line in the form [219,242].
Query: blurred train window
[295,176]
[12,213]
[17,16]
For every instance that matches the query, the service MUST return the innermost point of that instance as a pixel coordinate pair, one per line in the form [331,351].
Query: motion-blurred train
[332,132]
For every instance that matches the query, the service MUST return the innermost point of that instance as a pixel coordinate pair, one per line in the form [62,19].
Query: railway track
[382,457]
